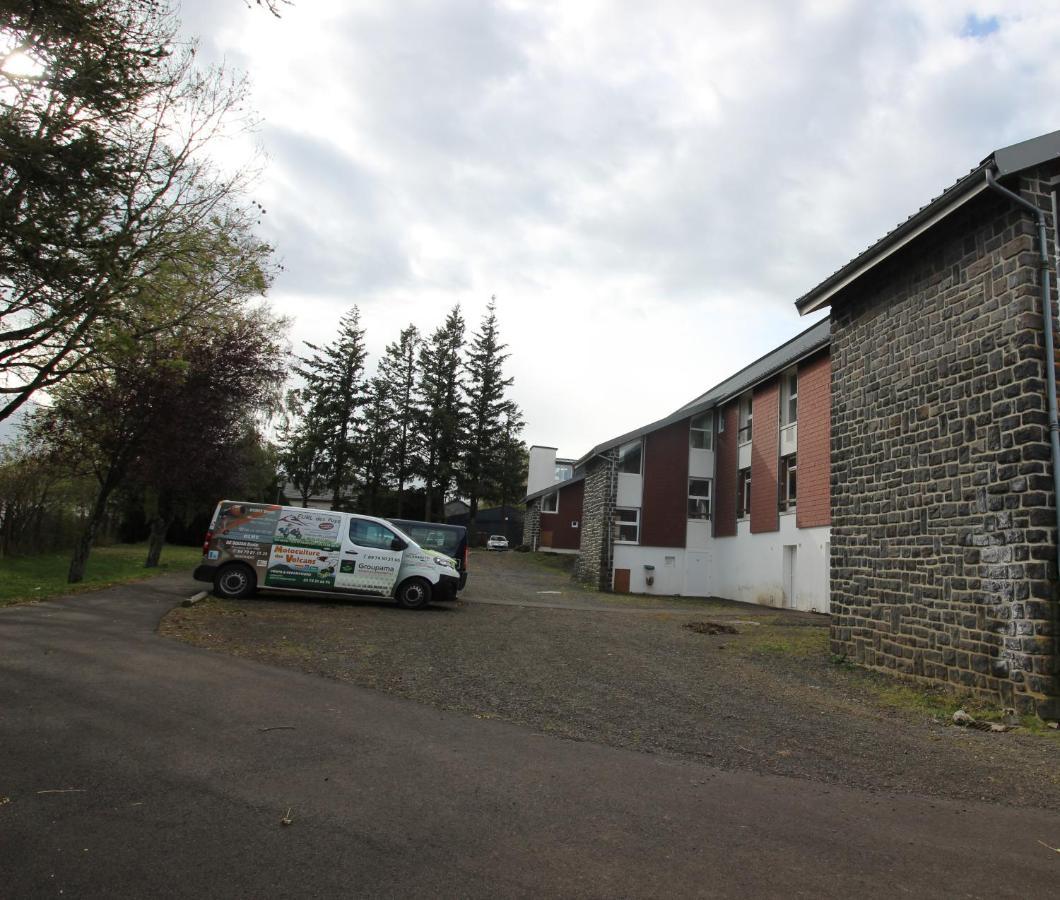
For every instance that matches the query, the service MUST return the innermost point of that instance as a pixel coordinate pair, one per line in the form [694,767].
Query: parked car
[260,546]
[497,542]
[448,539]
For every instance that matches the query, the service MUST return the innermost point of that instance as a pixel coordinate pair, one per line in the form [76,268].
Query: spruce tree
[377,444]
[486,410]
[302,448]
[335,392]
[398,370]
[440,405]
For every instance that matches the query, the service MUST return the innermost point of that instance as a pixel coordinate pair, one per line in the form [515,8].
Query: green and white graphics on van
[252,546]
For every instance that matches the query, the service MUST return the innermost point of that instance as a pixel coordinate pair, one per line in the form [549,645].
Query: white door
[369,562]
[789,575]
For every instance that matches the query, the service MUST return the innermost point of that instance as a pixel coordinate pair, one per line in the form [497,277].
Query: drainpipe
[1047,325]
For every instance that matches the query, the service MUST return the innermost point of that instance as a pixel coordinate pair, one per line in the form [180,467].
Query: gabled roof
[1005,161]
[799,347]
[558,486]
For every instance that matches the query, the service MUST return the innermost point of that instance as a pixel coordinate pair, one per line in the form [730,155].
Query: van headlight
[442,561]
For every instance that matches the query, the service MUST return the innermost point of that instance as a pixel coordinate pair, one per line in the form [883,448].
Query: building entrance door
[789,575]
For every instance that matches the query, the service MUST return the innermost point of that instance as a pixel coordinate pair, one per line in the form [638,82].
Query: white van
[260,546]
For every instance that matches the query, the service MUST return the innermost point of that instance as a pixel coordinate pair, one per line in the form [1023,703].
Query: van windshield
[443,540]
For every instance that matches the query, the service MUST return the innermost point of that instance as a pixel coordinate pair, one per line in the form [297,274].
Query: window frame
[707,430]
[789,393]
[617,523]
[568,468]
[788,469]
[743,493]
[640,466]
[709,497]
[544,500]
[745,419]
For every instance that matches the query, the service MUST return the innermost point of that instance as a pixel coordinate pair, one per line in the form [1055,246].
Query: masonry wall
[598,506]
[725,478]
[532,523]
[942,506]
[814,443]
[765,440]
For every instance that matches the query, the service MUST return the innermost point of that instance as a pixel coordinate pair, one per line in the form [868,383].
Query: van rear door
[369,564]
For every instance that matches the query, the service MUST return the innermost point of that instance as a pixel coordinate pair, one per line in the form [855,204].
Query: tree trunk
[159,528]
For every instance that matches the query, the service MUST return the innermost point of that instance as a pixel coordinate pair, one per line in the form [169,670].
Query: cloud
[646,187]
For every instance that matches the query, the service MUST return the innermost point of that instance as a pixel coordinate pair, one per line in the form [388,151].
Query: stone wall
[532,523]
[598,508]
[943,535]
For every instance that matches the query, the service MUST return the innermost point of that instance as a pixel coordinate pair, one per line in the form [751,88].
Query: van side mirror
[398,545]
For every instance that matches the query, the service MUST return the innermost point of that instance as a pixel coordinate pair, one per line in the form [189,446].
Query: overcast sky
[646,187]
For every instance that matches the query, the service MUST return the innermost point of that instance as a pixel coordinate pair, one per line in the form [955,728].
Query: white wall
[542,469]
[669,565]
[750,567]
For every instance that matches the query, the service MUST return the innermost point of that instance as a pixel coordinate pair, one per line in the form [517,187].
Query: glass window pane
[698,508]
[698,487]
[626,515]
[629,458]
[702,421]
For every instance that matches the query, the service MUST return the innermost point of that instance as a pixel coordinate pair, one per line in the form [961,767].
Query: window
[371,534]
[743,494]
[787,482]
[700,436]
[744,434]
[721,421]
[550,503]
[789,398]
[627,526]
[629,458]
[564,471]
[699,498]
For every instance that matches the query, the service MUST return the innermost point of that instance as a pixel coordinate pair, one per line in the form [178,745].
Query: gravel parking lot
[525,645]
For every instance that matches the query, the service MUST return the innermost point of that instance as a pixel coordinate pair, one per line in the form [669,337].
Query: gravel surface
[525,645]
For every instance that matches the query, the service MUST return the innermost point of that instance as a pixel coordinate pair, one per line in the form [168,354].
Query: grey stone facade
[943,537]
[532,524]
[598,508]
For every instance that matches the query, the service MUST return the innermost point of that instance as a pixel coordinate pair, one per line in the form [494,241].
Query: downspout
[1047,326]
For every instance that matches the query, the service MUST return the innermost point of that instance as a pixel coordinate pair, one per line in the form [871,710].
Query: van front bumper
[447,587]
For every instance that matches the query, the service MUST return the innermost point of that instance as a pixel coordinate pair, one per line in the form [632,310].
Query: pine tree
[508,481]
[377,447]
[398,370]
[335,391]
[487,407]
[440,405]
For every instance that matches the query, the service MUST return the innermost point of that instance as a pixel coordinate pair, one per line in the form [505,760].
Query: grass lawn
[26,578]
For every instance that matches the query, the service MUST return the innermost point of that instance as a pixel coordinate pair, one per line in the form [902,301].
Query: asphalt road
[135,766]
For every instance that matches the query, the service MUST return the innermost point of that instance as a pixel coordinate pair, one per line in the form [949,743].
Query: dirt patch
[626,673]
[711,628]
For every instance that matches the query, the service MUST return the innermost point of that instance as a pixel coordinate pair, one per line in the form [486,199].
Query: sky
[645,187]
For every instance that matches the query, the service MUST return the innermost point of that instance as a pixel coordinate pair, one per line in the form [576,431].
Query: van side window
[370,534]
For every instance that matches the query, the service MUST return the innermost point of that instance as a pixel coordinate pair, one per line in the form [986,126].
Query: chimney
[542,469]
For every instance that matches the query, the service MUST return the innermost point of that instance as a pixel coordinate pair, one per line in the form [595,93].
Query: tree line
[432,422]
[133,321]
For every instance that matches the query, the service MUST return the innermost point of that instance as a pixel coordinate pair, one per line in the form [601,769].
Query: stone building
[891,465]
[943,508]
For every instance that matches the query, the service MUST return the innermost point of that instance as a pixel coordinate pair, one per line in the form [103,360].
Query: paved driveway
[138,766]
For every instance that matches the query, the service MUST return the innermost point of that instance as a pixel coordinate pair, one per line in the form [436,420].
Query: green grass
[801,641]
[560,562]
[27,578]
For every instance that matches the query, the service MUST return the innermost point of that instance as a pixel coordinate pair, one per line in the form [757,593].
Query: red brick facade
[557,532]
[725,474]
[765,437]
[664,503]
[814,446]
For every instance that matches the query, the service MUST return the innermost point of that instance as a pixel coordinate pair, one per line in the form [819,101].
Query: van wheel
[414,593]
[235,582]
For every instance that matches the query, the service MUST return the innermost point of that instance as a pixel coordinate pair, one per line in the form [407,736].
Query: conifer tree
[377,444]
[508,478]
[335,391]
[487,407]
[398,370]
[302,449]
[441,407]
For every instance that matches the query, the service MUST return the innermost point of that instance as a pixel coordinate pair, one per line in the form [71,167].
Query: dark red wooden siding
[564,535]
[765,447]
[725,484]
[664,497]
[814,445]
